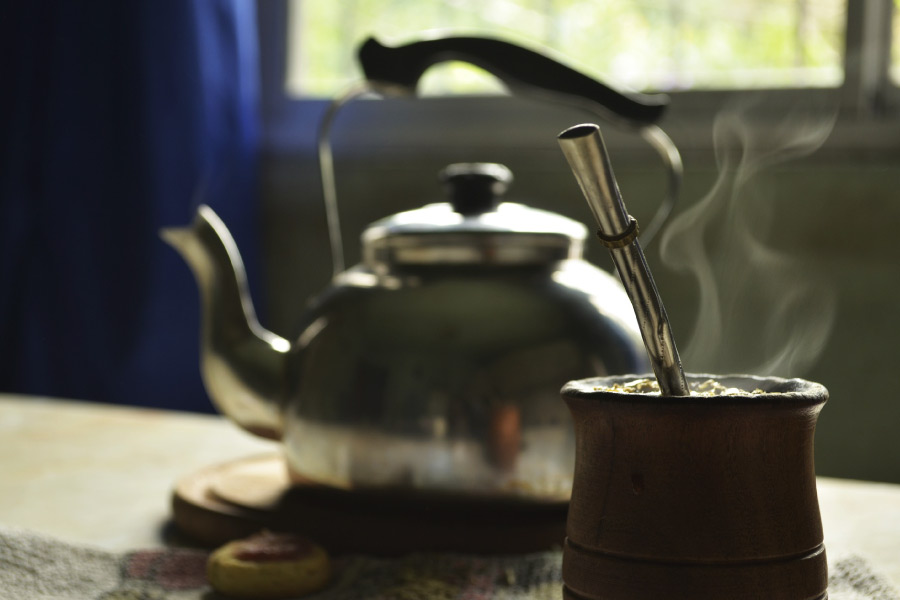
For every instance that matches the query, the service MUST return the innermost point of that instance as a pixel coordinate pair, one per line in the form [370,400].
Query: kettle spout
[242,363]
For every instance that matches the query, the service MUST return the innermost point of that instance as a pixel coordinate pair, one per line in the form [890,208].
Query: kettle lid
[473,227]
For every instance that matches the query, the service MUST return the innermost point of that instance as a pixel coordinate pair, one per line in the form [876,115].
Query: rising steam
[761,309]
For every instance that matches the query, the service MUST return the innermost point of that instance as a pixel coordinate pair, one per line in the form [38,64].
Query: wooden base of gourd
[594,576]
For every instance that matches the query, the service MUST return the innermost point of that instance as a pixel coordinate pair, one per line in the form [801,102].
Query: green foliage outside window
[637,44]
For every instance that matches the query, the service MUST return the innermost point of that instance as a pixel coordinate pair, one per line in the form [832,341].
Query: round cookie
[269,566]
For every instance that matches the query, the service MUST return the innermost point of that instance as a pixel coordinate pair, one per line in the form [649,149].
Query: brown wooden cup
[700,498]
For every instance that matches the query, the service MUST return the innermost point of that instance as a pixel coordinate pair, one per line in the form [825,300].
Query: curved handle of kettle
[402,67]
[392,70]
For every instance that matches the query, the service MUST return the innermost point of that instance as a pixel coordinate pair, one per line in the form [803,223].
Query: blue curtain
[118,118]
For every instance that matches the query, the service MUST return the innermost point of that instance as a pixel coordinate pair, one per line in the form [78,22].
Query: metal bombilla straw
[584,149]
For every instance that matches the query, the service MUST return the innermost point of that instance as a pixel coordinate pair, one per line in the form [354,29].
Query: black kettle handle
[517,67]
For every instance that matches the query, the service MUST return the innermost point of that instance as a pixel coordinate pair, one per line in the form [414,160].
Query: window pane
[638,44]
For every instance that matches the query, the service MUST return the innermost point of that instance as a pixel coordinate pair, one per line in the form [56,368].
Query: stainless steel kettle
[435,364]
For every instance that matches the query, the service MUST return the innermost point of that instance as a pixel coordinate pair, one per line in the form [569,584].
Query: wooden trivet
[235,499]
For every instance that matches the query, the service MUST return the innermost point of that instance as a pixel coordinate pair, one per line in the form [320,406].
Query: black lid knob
[475,188]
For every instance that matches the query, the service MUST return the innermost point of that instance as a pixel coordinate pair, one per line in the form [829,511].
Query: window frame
[867,101]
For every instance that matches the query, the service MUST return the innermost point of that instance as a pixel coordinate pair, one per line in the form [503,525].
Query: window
[703,53]
[639,44]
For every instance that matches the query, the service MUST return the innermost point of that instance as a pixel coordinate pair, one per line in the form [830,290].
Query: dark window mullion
[867,56]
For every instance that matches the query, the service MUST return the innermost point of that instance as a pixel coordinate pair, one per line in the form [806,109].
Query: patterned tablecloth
[37,567]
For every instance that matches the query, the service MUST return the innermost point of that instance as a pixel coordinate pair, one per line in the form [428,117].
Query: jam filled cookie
[269,566]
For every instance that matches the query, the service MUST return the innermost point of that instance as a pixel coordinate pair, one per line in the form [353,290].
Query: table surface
[102,475]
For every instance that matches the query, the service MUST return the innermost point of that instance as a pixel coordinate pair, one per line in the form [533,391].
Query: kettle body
[447,379]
